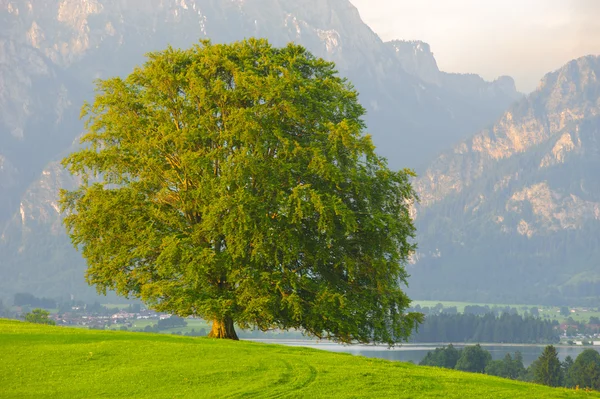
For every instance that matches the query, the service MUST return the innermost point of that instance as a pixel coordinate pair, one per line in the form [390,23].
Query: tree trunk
[223,329]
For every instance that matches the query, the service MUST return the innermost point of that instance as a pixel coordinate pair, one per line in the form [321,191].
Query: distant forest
[505,328]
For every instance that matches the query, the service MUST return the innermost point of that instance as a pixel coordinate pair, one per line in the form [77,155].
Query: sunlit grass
[53,362]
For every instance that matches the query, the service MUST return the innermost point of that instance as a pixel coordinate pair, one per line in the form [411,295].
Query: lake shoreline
[415,352]
[299,342]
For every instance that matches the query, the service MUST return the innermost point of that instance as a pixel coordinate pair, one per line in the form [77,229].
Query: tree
[171,322]
[442,357]
[473,359]
[509,367]
[234,182]
[548,368]
[585,371]
[517,369]
[39,316]
[567,371]
[497,368]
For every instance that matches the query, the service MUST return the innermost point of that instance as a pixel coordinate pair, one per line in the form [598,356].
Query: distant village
[136,317]
[121,318]
[133,317]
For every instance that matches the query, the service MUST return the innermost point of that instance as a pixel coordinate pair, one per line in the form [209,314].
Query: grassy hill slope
[53,362]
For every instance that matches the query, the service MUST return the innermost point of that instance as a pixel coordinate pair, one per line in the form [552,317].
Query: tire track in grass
[298,384]
[293,378]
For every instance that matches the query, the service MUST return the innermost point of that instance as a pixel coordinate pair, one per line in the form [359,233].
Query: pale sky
[521,38]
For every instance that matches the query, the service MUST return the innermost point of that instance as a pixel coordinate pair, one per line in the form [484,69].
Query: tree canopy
[39,316]
[585,371]
[547,368]
[473,359]
[234,182]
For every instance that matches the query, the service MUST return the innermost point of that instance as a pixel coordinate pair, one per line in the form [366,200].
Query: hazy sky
[521,38]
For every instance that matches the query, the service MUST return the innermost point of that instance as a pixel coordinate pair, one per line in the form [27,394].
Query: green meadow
[39,361]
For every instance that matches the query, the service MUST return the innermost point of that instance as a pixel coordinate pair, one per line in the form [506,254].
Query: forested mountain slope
[513,213]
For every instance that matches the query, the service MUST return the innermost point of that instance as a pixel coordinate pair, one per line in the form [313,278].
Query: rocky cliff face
[34,109]
[51,51]
[567,95]
[519,203]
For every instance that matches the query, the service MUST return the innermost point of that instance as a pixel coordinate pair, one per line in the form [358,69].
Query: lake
[416,352]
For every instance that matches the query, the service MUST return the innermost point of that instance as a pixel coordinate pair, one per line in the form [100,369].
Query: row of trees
[506,328]
[478,310]
[165,324]
[25,299]
[583,372]
[472,358]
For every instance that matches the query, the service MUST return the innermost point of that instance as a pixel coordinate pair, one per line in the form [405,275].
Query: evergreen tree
[517,369]
[567,371]
[548,369]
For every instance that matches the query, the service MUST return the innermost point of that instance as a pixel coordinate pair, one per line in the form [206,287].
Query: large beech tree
[234,182]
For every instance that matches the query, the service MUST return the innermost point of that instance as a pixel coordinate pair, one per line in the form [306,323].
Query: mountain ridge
[69,43]
[518,203]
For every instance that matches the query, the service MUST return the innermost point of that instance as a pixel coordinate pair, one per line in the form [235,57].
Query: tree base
[223,329]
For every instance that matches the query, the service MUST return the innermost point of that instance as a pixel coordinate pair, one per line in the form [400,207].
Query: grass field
[53,362]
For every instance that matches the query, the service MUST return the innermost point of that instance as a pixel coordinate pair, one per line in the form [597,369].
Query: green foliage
[39,316]
[442,357]
[21,299]
[508,367]
[547,370]
[473,359]
[488,328]
[477,360]
[234,182]
[567,372]
[171,322]
[41,362]
[585,371]
[497,368]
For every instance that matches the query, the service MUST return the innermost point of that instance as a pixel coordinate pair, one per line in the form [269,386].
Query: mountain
[512,214]
[416,58]
[465,97]
[51,52]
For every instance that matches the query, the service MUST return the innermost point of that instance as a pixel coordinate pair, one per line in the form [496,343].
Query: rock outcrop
[518,203]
